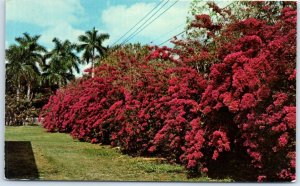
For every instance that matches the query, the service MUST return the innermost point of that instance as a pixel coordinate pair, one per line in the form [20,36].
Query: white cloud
[43,12]
[119,19]
[56,17]
[62,31]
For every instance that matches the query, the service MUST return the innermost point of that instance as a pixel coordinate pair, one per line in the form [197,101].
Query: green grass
[59,157]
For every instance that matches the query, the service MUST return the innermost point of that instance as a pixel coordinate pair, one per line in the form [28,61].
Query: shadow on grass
[19,161]
[235,167]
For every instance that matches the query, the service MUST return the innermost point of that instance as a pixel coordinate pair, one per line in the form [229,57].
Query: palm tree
[23,59]
[56,73]
[62,61]
[91,45]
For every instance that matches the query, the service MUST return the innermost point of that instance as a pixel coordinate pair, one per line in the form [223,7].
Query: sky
[67,19]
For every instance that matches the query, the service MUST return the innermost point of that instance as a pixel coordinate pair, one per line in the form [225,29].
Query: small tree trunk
[93,73]
[18,90]
[28,91]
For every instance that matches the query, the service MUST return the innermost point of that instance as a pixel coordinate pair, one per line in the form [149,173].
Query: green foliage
[33,74]
[91,45]
[22,77]
[20,112]
[23,59]
[60,63]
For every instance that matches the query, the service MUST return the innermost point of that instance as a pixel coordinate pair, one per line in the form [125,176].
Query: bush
[232,95]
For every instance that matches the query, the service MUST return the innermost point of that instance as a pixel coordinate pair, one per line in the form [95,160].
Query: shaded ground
[58,157]
[233,166]
[19,161]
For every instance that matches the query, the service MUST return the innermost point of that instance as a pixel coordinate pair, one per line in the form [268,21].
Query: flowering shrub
[83,108]
[140,120]
[179,107]
[254,87]
[194,104]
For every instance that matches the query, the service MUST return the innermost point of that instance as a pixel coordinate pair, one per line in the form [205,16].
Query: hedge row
[163,104]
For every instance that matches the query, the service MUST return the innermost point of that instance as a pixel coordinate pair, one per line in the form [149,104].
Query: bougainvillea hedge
[197,102]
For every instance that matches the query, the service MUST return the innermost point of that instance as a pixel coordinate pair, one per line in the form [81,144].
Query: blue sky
[67,19]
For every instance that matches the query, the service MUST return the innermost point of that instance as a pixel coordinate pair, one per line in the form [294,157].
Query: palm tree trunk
[93,73]
[18,90]
[28,91]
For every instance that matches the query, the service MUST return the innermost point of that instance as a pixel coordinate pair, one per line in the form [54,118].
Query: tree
[22,74]
[23,58]
[91,45]
[60,63]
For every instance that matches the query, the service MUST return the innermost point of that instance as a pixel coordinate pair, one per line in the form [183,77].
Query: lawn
[32,153]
